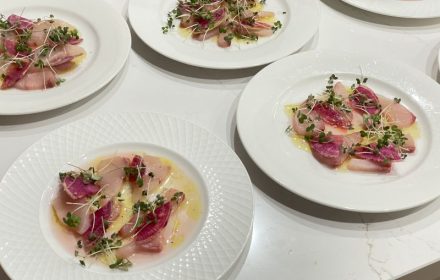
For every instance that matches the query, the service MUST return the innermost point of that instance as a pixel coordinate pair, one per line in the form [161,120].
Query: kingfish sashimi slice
[63,204]
[20,22]
[99,221]
[154,245]
[130,229]
[75,188]
[156,173]
[14,73]
[410,144]
[112,172]
[334,150]
[363,165]
[41,30]
[340,90]
[221,40]
[301,128]
[205,35]
[382,155]
[365,100]
[37,80]
[333,116]
[63,54]
[396,113]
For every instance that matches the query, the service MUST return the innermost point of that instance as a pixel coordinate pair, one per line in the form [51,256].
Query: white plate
[400,8]
[300,23]
[107,41]
[25,252]
[261,122]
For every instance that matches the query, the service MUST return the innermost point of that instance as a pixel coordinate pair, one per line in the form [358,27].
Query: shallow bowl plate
[262,121]
[107,41]
[27,254]
[300,21]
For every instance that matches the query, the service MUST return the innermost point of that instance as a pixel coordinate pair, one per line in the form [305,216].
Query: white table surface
[292,238]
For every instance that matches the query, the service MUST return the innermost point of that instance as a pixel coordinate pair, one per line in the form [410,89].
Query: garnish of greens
[376,131]
[226,19]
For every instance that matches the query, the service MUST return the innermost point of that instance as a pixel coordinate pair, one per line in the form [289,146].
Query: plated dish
[262,122]
[236,32]
[34,52]
[219,226]
[93,64]
[354,127]
[400,8]
[241,21]
[123,207]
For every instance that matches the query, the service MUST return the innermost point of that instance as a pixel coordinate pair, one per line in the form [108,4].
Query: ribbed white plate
[400,8]
[25,253]
[300,19]
[107,41]
[261,122]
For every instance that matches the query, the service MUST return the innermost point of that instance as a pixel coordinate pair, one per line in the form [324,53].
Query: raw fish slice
[222,42]
[62,207]
[382,155]
[10,45]
[112,172]
[340,90]
[365,100]
[75,188]
[138,163]
[74,41]
[301,128]
[410,144]
[253,14]
[37,80]
[396,113]
[333,116]
[156,173]
[153,223]
[20,22]
[63,54]
[329,152]
[14,73]
[98,223]
[352,139]
[333,151]
[40,32]
[129,228]
[358,119]
[363,165]
[205,35]
[155,245]
[169,196]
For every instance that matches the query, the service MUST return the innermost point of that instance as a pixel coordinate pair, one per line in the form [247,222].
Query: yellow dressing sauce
[73,64]
[184,32]
[126,209]
[413,130]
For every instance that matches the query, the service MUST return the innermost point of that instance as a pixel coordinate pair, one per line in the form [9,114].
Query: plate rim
[106,11]
[225,146]
[244,139]
[379,11]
